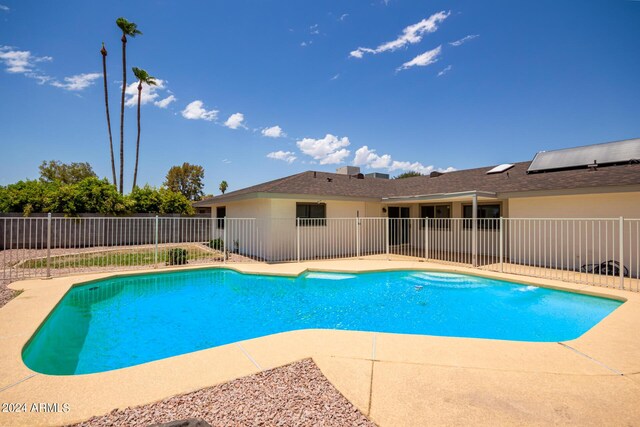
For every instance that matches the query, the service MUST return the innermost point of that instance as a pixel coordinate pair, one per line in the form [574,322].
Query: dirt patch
[297,394]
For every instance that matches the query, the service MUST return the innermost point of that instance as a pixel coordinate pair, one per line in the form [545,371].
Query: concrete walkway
[395,379]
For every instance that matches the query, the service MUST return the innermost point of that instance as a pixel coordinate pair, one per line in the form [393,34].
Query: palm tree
[103,51]
[128,29]
[143,77]
[223,186]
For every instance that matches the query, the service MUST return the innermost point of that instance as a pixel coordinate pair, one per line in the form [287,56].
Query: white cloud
[273,132]
[410,35]
[235,121]
[422,60]
[343,16]
[445,70]
[226,161]
[371,160]
[20,61]
[77,82]
[328,150]
[196,111]
[463,40]
[313,30]
[164,103]
[335,77]
[24,62]
[149,93]
[286,156]
[5,8]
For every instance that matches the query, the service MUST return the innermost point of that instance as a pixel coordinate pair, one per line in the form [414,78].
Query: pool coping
[605,350]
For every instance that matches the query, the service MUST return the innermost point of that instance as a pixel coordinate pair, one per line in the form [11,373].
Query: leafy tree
[103,51]
[27,196]
[128,29]
[408,175]
[159,201]
[65,173]
[223,186]
[143,77]
[186,179]
[173,202]
[91,195]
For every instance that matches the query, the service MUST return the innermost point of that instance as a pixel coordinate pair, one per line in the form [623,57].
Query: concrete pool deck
[394,379]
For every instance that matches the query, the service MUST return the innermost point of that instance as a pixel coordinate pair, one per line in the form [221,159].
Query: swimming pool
[125,321]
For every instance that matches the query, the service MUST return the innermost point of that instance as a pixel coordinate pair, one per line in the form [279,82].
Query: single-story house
[566,183]
[595,181]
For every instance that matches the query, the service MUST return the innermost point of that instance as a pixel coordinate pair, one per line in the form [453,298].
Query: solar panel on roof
[609,153]
[500,168]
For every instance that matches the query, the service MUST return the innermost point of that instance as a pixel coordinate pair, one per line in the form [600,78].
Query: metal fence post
[49,245]
[155,240]
[387,237]
[426,238]
[501,245]
[358,236]
[298,239]
[621,238]
[224,240]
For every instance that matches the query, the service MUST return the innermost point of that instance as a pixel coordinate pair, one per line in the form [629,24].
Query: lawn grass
[119,258]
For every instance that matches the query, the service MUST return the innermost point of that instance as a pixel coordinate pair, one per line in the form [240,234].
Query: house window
[221,212]
[311,214]
[436,212]
[484,212]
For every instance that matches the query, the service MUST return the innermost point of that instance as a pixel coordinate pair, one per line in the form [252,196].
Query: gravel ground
[6,294]
[293,395]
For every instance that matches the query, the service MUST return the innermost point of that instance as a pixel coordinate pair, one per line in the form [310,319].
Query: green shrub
[176,256]
[216,244]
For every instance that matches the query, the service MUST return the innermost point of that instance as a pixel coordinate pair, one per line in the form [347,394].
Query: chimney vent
[435,174]
[348,170]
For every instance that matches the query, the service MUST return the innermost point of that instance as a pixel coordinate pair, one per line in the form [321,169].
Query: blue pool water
[126,321]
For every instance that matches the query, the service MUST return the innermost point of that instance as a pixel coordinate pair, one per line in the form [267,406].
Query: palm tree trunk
[103,51]
[135,170]
[124,87]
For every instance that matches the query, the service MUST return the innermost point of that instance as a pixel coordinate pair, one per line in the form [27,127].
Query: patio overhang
[461,195]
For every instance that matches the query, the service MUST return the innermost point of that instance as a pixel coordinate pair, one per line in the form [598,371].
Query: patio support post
[387,236]
[501,245]
[474,232]
[358,235]
[298,239]
[155,241]
[621,238]
[224,240]
[48,245]
[426,238]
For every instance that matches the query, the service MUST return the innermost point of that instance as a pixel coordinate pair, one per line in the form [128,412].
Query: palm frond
[128,28]
[144,77]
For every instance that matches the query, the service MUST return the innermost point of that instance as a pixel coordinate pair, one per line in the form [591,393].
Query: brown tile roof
[512,181]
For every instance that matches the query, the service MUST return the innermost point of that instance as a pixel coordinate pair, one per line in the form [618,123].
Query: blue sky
[256,90]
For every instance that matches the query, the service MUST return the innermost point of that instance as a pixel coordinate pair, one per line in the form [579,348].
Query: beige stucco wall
[253,208]
[611,205]
[286,208]
[275,228]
